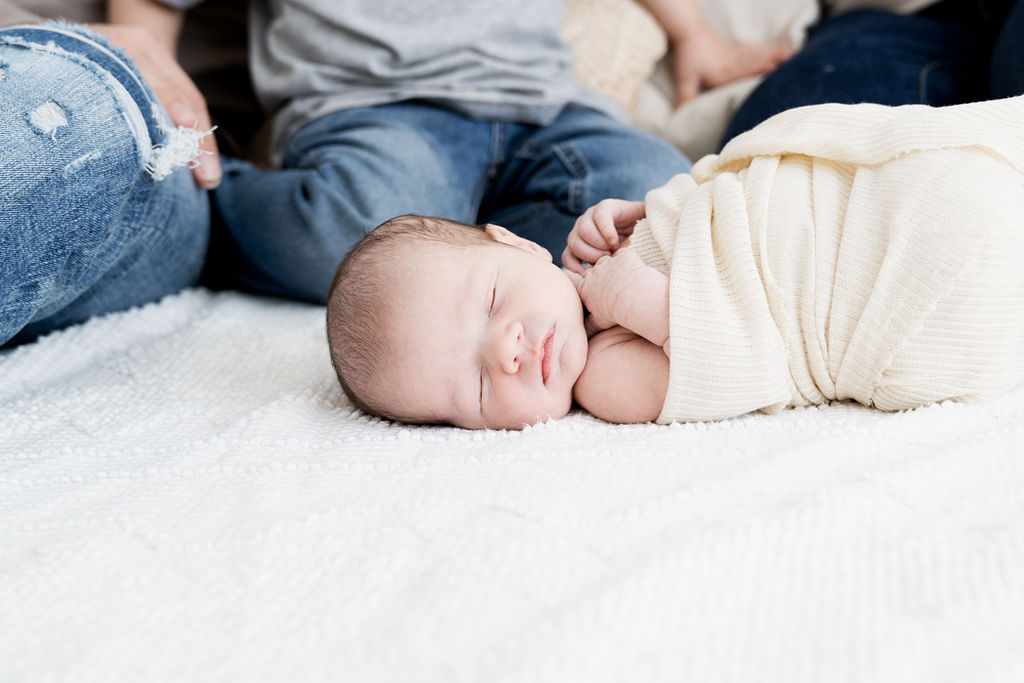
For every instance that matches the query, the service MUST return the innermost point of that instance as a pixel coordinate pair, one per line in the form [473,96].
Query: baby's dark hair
[359,299]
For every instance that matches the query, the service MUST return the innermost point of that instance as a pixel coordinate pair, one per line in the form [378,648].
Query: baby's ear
[505,236]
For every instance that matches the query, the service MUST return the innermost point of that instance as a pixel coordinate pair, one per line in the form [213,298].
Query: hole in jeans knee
[48,118]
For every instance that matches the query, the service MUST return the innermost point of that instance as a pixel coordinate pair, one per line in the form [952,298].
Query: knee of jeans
[71,98]
[643,164]
[350,189]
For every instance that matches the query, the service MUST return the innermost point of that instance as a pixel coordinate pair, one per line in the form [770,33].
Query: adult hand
[175,90]
[703,60]
[600,231]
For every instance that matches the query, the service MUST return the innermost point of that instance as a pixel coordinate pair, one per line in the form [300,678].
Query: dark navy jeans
[939,57]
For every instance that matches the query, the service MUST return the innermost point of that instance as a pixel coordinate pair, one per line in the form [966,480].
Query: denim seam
[496,155]
[573,162]
[495,159]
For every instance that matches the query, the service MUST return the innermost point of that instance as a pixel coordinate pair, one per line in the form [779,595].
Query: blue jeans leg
[86,227]
[871,56]
[285,230]
[554,173]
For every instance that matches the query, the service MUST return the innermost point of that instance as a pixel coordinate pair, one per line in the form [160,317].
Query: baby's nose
[509,343]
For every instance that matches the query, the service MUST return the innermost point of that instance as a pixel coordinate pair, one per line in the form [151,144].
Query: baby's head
[433,321]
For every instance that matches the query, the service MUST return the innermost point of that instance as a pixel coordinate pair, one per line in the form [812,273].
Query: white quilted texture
[185,495]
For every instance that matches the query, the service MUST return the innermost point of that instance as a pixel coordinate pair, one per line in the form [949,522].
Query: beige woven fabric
[617,45]
[846,252]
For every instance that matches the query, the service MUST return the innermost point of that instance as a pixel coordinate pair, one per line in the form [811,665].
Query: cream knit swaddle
[846,252]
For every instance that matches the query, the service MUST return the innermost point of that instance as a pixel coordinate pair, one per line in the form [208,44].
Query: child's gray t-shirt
[490,60]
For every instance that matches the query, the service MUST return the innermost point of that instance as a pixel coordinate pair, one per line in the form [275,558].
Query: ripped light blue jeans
[99,209]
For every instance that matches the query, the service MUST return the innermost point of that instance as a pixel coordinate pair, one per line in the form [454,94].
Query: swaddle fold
[846,252]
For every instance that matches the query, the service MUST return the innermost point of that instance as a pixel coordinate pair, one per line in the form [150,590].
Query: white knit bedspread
[185,495]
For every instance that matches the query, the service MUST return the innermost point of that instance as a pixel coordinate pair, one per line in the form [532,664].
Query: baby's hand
[600,231]
[606,287]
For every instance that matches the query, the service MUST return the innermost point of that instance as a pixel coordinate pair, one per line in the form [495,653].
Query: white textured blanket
[185,495]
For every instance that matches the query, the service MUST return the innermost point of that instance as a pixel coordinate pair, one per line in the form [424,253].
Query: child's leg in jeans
[86,227]
[285,230]
[554,173]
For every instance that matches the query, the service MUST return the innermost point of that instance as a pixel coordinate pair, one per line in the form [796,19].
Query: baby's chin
[538,418]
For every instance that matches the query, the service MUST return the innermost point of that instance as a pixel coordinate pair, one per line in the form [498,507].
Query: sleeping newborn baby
[834,252]
[434,321]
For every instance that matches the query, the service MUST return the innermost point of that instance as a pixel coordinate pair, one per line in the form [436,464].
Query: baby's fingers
[615,219]
[578,251]
[587,230]
[571,263]
[575,278]
[605,214]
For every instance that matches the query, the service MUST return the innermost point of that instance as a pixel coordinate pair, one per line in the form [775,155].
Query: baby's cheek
[523,406]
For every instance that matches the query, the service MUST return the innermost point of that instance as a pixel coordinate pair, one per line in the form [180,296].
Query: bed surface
[186,495]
